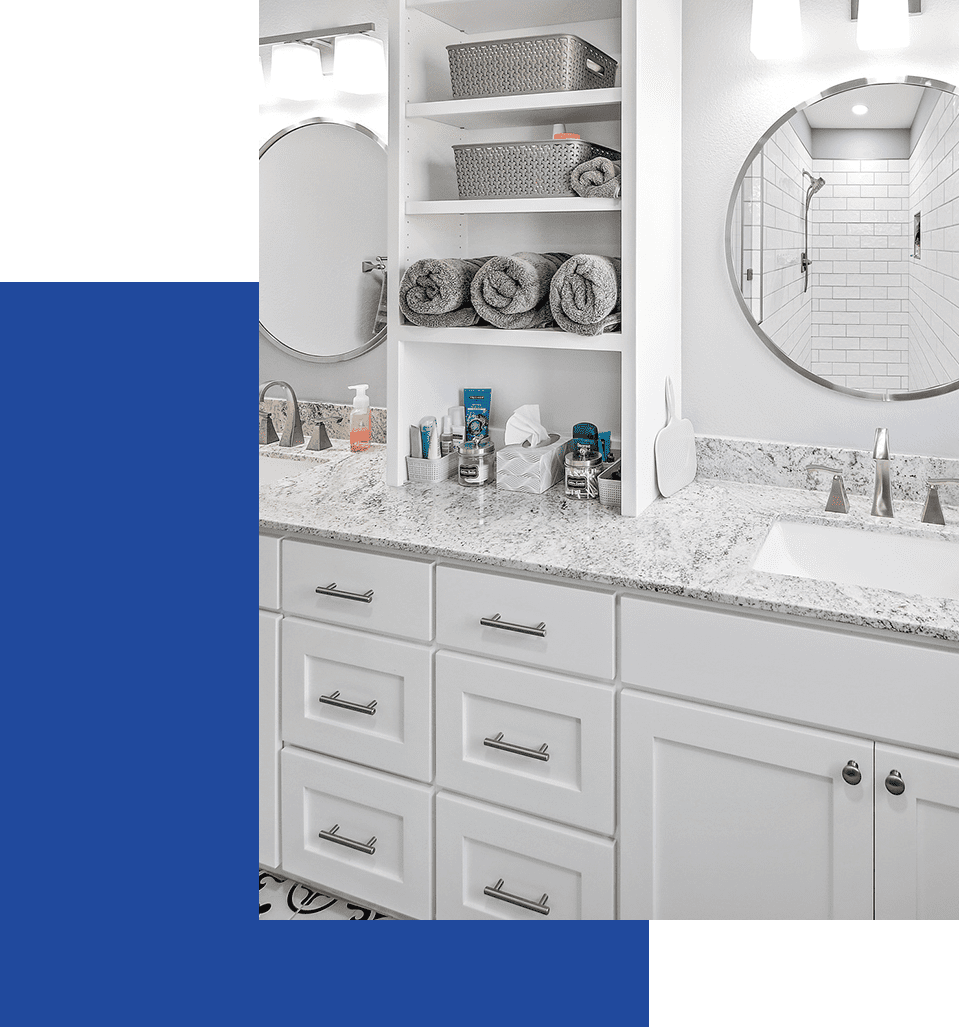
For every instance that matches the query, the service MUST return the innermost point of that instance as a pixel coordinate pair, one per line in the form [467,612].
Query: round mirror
[843,238]
[323,240]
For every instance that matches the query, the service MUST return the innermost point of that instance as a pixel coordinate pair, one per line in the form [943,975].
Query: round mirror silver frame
[379,336]
[880,395]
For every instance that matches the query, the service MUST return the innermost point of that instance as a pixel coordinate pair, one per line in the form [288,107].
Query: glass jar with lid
[477,462]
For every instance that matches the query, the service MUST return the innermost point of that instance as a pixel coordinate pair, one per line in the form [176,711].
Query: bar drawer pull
[335,700]
[520,750]
[495,622]
[496,892]
[331,590]
[332,836]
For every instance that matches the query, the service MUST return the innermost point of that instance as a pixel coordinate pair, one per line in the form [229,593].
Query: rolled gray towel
[513,291]
[584,295]
[435,293]
[597,177]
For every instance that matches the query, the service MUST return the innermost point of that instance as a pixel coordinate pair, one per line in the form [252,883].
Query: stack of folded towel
[597,177]
[579,293]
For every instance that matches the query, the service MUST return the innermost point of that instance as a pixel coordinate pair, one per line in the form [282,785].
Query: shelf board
[494,15]
[519,111]
[515,205]
[531,338]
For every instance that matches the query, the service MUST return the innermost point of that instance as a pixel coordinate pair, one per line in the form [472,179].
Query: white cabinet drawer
[388,822]
[359,697]
[393,595]
[483,706]
[554,868]
[877,687]
[269,573]
[567,628]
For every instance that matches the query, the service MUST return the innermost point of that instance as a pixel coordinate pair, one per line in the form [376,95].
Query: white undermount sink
[273,468]
[853,556]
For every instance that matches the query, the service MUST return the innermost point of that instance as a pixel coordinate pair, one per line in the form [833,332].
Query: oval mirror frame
[379,336]
[879,395]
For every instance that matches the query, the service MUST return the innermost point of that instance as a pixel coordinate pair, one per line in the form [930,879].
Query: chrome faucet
[882,496]
[932,511]
[292,430]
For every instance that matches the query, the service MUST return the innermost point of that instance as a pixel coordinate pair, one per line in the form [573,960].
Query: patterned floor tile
[281,899]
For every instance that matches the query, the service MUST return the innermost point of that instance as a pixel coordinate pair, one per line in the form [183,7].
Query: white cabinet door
[917,835]
[527,739]
[492,864]
[731,817]
[269,741]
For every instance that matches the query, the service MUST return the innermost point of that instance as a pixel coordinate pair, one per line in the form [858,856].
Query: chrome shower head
[815,184]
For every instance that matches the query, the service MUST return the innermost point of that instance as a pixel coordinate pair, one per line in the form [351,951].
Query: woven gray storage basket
[542,168]
[529,64]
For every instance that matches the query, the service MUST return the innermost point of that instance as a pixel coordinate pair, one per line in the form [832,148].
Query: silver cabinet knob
[894,783]
[851,774]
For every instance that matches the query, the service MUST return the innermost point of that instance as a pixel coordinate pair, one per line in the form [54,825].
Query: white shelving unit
[614,380]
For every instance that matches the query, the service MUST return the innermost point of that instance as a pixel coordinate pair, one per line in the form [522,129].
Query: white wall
[732,385]
[310,380]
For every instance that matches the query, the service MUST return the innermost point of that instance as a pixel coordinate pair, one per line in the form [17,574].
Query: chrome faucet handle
[838,502]
[932,511]
[293,429]
[319,440]
[267,431]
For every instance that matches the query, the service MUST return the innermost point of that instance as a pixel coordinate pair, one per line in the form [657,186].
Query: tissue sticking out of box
[525,427]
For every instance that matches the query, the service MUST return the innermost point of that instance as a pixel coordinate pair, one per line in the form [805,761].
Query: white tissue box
[531,468]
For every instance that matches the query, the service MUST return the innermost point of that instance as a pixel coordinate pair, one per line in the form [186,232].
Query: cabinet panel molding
[917,836]
[727,816]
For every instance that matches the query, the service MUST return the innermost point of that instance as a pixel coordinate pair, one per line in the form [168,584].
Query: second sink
[853,556]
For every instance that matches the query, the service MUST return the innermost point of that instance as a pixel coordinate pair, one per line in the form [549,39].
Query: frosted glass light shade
[264,87]
[883,24]
[297,71]
[359,64]
[776,31]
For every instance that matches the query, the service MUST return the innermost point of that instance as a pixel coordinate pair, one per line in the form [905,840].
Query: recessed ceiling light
[860,109]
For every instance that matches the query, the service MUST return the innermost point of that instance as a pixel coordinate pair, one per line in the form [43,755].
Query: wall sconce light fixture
[776,31]
[359,64]
[296,72]
[883,24]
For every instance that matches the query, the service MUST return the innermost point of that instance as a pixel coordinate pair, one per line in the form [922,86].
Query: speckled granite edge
[698,544]
[784,464]
[311,412]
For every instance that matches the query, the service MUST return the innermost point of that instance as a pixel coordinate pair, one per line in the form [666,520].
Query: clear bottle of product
[360,420]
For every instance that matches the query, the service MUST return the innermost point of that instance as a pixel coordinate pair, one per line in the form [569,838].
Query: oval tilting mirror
[323,239]
[843,238]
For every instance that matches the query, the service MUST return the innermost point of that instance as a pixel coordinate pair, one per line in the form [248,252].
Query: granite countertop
[698,543]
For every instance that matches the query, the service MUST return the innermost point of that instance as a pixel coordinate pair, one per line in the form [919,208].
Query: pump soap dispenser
[360,420]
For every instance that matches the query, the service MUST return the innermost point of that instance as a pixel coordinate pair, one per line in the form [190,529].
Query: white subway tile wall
[934,301]
[861,238]
[787,310]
